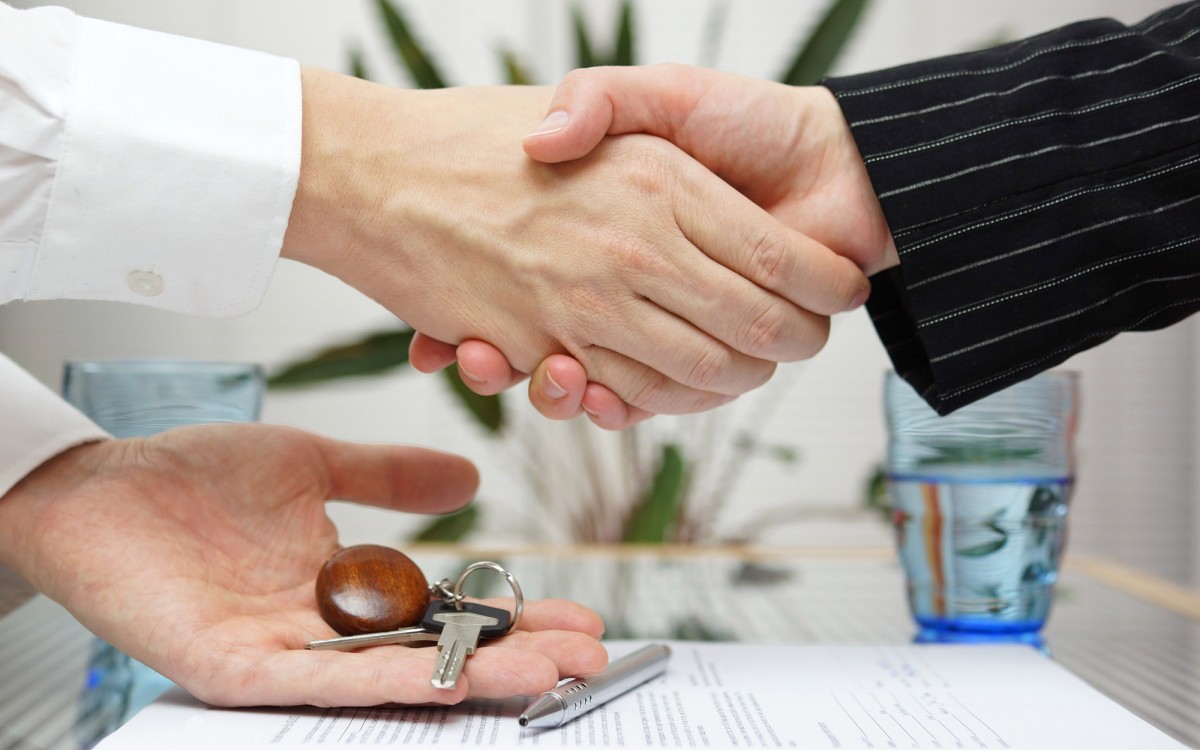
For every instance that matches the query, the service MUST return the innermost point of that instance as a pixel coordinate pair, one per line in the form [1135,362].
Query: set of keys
[368,593]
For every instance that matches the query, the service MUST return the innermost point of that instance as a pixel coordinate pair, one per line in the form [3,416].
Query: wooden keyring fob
[369,588]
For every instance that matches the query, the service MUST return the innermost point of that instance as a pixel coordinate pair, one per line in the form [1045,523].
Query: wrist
[33,515]
[355,183]
[316,234]
[864,200]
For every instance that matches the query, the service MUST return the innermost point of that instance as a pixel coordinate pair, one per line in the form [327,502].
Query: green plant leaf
[488,411]
[452,527]
[414,57]
[875,493]
[818,54]
[584,58]
[623,51]
[371,355]
[358,66]
[1043,499]
[652,519]
[514,72]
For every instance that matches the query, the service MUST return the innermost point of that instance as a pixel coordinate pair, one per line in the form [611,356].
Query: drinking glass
[979,505]
[138,398]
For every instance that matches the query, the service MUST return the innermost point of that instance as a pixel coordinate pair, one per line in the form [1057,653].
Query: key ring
[518,597]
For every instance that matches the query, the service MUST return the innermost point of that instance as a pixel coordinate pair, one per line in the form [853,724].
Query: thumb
[593,102]
[416,480]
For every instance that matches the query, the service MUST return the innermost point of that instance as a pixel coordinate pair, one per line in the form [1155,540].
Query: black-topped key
[487,632]
[461,631]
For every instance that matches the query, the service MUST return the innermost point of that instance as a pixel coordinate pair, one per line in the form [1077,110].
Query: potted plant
[654,483]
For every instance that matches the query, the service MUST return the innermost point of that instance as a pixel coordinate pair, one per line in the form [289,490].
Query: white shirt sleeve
[38,425]
[141,167]
[137,167]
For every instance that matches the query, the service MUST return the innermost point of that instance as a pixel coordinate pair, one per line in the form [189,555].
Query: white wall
[1139,426]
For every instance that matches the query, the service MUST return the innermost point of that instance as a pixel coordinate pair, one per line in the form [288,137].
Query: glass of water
[979,504]
[138,398]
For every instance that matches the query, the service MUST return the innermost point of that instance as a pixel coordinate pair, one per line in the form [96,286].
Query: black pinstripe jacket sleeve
[1044,196]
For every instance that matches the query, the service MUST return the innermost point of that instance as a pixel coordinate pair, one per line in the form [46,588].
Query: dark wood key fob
[369,588]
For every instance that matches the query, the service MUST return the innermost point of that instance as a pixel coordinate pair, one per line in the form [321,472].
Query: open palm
[196,552]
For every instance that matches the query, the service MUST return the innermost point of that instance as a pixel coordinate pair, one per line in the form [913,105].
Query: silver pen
[565,702]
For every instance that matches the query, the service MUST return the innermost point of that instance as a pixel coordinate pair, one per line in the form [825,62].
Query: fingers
[482,367]
[799,269]
[417,480]
[607,410]
[556,387]
[659,100]
[427,354]
[523,663]
[562,375]
[509,668]
[646,389]
[557,639]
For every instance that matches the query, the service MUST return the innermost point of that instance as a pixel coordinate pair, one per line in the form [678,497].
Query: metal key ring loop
[518,597]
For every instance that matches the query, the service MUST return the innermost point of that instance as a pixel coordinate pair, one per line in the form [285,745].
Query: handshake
[668,235]
[657,244]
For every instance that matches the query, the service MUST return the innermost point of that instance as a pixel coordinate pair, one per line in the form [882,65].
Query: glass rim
[1056,374]
[152,364]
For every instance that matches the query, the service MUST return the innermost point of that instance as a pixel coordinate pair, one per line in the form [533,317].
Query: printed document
[722,696]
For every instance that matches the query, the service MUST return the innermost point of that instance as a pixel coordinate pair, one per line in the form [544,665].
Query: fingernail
[554,122]
[552,389]
[469,375]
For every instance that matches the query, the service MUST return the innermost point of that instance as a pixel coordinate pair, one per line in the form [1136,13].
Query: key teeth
[450,662]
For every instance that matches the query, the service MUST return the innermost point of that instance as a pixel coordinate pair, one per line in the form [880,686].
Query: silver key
[460,635]
[415,634]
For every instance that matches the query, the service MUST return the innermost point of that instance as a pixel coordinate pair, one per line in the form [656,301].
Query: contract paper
[722,696]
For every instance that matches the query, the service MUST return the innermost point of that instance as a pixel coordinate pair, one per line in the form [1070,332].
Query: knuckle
[576,77]
[647,171]
[770,257]
[586,300]
[649,392]
[636,256]
[708,368]
[765,332]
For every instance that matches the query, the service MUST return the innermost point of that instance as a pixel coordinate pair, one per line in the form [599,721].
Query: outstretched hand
[196,552]
[788,149]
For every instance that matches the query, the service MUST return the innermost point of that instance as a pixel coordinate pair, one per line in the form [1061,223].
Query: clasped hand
[660,279]
[786,150]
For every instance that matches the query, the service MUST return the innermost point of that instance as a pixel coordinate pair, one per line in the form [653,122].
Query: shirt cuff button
[144,283]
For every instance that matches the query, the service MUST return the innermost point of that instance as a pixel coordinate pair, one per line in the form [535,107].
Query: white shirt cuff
[38,425]
[177,176]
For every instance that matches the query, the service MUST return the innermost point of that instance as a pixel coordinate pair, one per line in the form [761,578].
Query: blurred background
[790,464]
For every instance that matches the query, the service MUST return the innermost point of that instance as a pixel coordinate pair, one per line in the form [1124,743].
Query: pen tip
[523,721]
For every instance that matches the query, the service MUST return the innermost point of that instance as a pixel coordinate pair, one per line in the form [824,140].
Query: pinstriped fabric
[1044,197]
